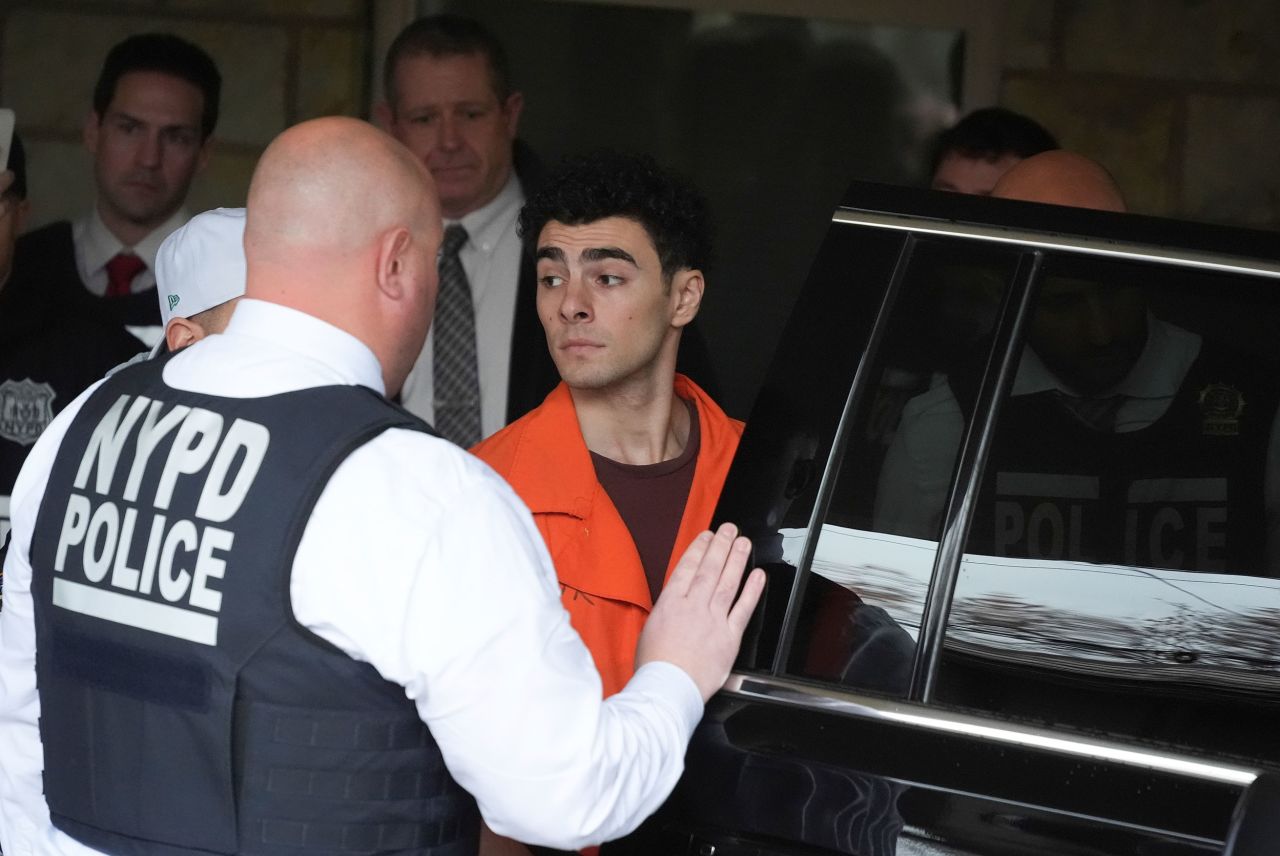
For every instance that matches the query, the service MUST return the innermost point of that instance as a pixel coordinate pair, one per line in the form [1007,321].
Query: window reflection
[1128,438]
[860,616]
[1118,564]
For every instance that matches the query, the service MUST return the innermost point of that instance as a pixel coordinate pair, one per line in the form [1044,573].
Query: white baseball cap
[201,265]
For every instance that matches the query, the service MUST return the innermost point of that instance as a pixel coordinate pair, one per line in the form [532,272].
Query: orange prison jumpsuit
[602,582]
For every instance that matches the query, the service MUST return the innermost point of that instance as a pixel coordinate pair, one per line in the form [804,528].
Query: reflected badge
[1220,409]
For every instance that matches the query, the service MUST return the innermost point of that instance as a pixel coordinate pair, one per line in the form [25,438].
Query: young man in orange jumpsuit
[622,464]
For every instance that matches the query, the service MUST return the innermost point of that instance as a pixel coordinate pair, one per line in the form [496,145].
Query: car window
[1121,561]
[858,618]
[773,484]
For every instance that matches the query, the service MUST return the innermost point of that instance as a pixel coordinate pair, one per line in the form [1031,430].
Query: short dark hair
[17,163]
[605,183]
[448,35]
[990,134]
[167,54]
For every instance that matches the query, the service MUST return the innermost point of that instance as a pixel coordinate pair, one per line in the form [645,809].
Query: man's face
[146,147]
[963,174]
[608,314]
[1089,335]
[447,114]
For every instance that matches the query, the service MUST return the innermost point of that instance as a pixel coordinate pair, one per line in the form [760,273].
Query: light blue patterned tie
[456,378]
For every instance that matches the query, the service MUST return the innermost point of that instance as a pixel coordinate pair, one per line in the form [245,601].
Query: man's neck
[126,231]
[641,424]
[457,215]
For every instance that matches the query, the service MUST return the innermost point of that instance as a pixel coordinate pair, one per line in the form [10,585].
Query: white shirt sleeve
[916,474]
[439,579]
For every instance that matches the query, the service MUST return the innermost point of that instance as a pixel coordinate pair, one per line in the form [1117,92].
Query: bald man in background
[1107,391]
[244,544]
[1060,177]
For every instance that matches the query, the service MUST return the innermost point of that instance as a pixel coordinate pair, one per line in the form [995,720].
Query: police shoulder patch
[26,409]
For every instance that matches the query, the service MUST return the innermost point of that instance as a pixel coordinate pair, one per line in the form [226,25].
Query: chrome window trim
[784,691]
[835,455]
[1066,243]
[971,461]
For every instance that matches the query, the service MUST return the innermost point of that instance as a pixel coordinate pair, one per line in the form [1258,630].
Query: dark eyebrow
[598,254]
[120,114]
[138,120]
[554,254]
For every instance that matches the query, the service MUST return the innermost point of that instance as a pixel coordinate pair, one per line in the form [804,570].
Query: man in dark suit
[155,105]
[450,100]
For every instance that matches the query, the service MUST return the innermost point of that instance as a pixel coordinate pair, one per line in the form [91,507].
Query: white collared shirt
[421,561]
[1147,390]
[491,258]
[96,245]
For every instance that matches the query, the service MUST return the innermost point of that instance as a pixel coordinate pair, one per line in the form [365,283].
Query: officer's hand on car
[696,623]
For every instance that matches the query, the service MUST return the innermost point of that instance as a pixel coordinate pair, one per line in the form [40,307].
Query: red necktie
[121,270]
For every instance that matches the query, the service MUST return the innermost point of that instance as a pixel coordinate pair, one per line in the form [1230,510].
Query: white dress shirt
[491,258]
[95,245]
[421,561]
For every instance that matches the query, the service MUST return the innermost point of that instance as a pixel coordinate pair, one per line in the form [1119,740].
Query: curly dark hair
[606,183]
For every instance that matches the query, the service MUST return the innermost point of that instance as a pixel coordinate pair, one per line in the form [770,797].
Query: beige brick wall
[1179,98]
[282,61]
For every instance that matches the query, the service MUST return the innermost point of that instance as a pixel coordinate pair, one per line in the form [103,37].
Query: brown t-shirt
[651,499]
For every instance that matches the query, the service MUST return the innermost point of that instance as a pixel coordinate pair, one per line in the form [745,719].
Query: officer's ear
[180,332]
[397,266]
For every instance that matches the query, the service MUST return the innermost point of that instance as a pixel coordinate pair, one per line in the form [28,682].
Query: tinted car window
[860,613]
[774,484]
[1118,574]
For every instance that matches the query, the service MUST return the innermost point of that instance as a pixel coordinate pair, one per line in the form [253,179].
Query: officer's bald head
[1061,178]
[333,184]
[343,224]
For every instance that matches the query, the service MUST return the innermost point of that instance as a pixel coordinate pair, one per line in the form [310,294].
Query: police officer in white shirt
[273,614]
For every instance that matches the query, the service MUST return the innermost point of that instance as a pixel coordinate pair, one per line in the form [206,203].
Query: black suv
[1015,477]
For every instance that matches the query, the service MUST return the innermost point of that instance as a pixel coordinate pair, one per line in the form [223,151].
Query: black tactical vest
[1185,493]
[183,708]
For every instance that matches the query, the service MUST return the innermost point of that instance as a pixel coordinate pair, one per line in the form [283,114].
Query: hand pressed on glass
[696,623]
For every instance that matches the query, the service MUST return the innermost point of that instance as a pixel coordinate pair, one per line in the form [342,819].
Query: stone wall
[1179,98]
[281,61]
